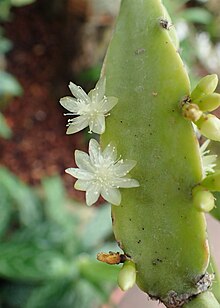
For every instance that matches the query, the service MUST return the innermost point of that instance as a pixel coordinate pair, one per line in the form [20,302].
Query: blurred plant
[197,21]
[9,86]
[48,248]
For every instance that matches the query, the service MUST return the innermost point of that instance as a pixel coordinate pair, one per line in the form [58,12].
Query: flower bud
[191,112]
[206,85]
[203,199]
[208,102]
[127,276]
[212,182]
[209,126]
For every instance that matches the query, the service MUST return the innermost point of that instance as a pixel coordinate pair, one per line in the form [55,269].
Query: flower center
[104,175]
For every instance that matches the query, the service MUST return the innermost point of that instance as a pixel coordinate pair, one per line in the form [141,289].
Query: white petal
[92,193]
[112,195]
[122,167]
[94,151]
[80,174]
[78,92]
[108,103]
[70,104]
[78,124]
[81,185]
[110,152]
[83,161]
[98,125]
[100,87]
[125,182]
[96,95]
[204,147]
[208,163]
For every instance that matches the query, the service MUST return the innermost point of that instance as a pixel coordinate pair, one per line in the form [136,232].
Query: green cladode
[156,224]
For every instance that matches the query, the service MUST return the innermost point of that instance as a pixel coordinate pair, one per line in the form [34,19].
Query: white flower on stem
[208,161]
[90,110]
[101,173]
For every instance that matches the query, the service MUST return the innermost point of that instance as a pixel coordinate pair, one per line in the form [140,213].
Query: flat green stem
[204,300]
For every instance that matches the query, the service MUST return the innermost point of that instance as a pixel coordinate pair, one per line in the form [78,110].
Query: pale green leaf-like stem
[156,224]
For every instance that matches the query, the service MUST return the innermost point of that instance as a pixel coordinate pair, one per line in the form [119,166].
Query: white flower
[100,173]
[208,164]
[90,110]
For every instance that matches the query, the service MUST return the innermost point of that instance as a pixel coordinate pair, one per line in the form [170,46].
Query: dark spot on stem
[113,219]
[129,219]
[139,241]
[156,261]
[143,228]
[164,23]
[140,51]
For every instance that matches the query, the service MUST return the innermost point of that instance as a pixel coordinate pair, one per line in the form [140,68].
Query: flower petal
[96,95]
[94,151]
[110,152]
[209,163]
[125,183]
[80,174]
[100,87]
[81,185]
[122,167]
[108,103]
[98,126]
[78,92]
[83,161]
[69,103]
[77,124]
[112,195]
[204,147]
[92,193]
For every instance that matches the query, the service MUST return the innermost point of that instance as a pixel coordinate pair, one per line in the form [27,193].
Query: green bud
[212,182]
[206,85]
[127,276]
[203,199]
[208,102]
[209,126]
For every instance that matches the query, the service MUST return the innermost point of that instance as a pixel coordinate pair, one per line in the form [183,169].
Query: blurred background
[49,238]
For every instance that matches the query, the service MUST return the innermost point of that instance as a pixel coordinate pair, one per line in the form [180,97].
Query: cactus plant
[160,225]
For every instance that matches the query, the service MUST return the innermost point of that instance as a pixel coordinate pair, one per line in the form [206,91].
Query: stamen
[70,114]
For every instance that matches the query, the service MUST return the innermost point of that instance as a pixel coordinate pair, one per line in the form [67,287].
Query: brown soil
[39,60]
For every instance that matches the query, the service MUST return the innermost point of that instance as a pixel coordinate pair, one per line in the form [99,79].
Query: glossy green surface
[156,224]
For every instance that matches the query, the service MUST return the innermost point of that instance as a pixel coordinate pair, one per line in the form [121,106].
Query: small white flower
[90,110]
[208,164]
[100,173]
